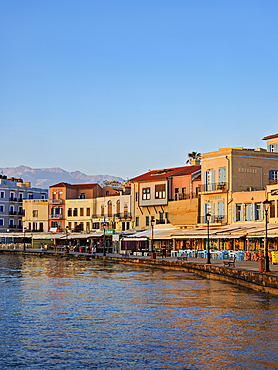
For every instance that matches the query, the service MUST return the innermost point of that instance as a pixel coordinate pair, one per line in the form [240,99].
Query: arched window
[109,208]
[118,206]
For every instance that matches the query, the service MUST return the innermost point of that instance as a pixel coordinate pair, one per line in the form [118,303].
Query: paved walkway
[250,266]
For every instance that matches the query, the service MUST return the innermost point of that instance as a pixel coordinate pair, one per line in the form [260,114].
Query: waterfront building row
[230,184]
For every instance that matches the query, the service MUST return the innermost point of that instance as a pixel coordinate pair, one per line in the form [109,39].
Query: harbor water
[59,313]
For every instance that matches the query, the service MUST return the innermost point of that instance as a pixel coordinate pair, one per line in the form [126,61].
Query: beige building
[89,214]
[115,209]
[235,170]
[35,215]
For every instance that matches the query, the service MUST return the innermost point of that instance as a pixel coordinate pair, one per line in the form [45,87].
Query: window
[42,196]
[12,196]
[272,148]
[125,210]
[160,192]
[272,209]
[239,212]
[60,210]
[41,226]
[2,194]
[137,221]
[118,206]
[20,223]
[161,217]
[11,222]
[273,175]
[222,176]
[166,215]
[177,193]
[109,208]
[60,195]
[248,212]
[221,209]
[1,222]
[69,225]
[35,213]
[147,221]
[88,226]
[152,218]
[69,212]
[146,193]
[2,208]
[183,193]
[30,196]
[127,225]
[53,196]
[75,212]
[258,211]
[136,197]
[21,197]
[88,211]
[102,210]
[82,196]
[209,180]
[81,212]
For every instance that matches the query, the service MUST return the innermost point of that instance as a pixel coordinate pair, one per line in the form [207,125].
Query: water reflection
[65,314]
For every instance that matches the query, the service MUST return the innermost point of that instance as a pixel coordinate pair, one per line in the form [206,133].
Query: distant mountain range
[44,177]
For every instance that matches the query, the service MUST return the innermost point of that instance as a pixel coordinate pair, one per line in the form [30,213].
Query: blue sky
[119,87]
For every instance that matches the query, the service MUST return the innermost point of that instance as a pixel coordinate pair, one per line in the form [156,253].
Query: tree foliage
[193,155]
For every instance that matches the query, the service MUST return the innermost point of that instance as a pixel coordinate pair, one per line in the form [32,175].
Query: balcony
[20,200]
[56,201]
[12,213]
[21,213]
[222,220]
[56,217]
[181,196]
[12,199]
[217,186]
[12,226]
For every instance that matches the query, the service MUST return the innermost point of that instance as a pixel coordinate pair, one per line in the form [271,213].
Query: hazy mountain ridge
[44,177]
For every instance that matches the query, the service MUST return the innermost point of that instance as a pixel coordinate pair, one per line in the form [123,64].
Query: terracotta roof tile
[163,174]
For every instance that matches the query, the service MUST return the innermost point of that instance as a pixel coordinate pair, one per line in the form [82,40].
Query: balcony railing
[215,219]
[56,201]
[216,186]
[12,226]
[21,213]
[57,217]
[12,213]
[181,196]
[111,216]
[12,199]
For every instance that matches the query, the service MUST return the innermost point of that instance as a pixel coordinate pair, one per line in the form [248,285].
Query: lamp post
[24,231]
[104,241]
[208,216]
[153,255]
[67,230]
[266,204]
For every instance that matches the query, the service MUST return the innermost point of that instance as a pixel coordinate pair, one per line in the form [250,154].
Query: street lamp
[67,230]
[104,241]
[24,231]
[266,204]
[153,255]
[208,216]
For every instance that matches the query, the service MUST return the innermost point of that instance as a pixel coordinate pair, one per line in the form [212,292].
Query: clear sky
[122,86]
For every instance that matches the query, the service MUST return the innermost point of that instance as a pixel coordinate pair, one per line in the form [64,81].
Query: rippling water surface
[64,314]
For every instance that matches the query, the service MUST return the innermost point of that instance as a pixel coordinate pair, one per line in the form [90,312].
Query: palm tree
[193,155]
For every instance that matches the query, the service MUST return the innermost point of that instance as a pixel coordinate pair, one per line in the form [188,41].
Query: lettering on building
[248,170]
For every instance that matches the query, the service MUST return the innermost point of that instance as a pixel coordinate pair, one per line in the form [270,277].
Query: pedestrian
[164,252]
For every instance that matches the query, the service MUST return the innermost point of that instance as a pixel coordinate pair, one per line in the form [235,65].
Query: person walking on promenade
[164,252]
